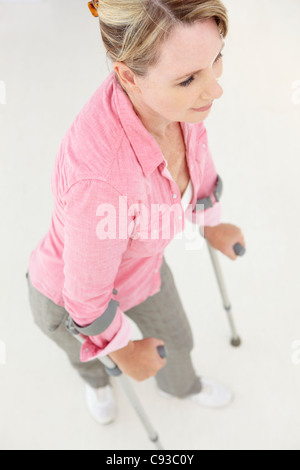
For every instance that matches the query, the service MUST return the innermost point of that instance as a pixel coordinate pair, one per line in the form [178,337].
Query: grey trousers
[160,316]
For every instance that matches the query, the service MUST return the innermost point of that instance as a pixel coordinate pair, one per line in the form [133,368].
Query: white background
[52,61]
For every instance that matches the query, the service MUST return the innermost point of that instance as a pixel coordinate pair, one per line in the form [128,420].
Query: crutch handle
[239,249]
[162,351]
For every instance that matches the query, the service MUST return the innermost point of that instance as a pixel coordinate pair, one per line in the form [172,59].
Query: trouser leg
[51,319]
[162,316]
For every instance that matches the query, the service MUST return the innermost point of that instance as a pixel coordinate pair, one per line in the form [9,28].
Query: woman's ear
[126,77]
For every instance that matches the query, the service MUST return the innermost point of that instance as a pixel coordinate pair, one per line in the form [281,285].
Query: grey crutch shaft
[113,370]
[239,250]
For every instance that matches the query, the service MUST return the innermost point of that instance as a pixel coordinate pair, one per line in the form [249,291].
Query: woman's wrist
[122,354]
[207,231]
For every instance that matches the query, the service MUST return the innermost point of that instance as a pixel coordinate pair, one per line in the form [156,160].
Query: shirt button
[180,217]
[204,146]
[174,196]
[156,271]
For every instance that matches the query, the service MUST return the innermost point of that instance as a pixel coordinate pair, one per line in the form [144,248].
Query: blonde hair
[133,30]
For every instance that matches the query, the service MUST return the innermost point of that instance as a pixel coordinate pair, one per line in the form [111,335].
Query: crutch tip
[236,342]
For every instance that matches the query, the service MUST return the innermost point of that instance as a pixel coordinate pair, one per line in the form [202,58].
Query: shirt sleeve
[95,238]
[208,180]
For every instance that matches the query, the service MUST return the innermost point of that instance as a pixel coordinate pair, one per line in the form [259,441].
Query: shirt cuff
[213,215]
[208,218]
[95,347]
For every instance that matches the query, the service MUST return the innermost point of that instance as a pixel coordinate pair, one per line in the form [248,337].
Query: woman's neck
[160,128]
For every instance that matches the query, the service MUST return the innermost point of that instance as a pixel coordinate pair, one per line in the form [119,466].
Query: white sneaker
[212,395]
[101,403]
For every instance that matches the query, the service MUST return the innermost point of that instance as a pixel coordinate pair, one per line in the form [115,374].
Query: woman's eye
[192,78]
[187,82]
[219,57]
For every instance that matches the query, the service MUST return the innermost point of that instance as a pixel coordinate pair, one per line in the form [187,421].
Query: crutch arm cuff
[100,324]
[210,201]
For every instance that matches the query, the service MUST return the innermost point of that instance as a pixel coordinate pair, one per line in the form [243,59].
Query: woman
[137,144]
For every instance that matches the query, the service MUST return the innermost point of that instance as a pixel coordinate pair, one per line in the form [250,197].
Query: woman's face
[184,83]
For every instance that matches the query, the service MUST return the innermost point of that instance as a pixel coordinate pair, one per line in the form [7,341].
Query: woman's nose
[212,89]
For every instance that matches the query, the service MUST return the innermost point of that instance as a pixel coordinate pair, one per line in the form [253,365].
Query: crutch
[203,204]
[113,370]
[239,251]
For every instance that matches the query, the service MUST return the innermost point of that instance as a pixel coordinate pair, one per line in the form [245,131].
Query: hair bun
[93,6]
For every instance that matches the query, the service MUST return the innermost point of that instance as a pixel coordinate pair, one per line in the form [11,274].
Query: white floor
[52,61]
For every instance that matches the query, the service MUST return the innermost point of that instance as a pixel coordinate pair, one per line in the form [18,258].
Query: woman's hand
[139,360]
[223,237]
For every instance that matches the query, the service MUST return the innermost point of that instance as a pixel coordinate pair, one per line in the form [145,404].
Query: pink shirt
[108,175]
